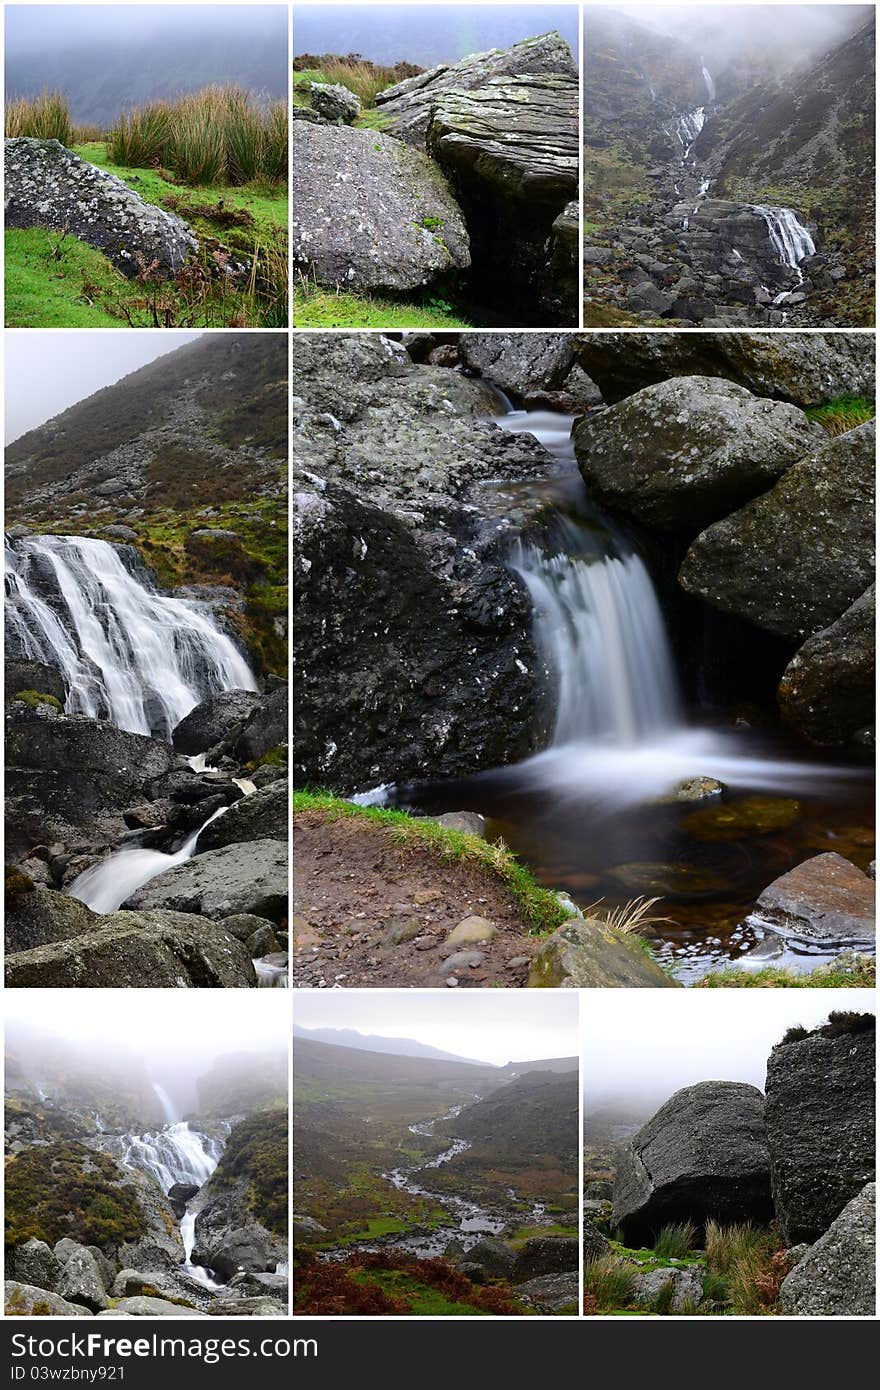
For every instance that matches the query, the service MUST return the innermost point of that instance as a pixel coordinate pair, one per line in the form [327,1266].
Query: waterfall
[174,1154]
[164,1099]
[128,654]
[710,85]
[688,127]
[790,240]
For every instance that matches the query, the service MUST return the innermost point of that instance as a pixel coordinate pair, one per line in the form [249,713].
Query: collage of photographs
[439,497]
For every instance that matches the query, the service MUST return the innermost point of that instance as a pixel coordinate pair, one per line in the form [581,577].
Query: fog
[167,1036]
[482,1025]
[106,57]
[425,34]
[639,1049]
[48,371]
[795,35]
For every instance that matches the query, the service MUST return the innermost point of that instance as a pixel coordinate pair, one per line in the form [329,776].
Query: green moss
[66,1189]
[538,905]
[276,757]
[316,307]
[32,698]
[17,882]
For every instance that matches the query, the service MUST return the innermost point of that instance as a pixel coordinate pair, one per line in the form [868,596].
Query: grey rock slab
[836,1277]
[251,878]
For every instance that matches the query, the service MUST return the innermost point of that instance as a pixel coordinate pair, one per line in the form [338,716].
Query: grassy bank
[847,972]
[316,306]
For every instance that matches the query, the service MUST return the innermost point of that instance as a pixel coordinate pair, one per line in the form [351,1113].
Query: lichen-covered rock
[42,916]
[49,186]
[585,954]
[370,214]
[550,1293]
[797,557]
[35,1262]
[806,369]
[261,816]
[545,1255]
[170,949]
[533,367]
[679,454]
[827,689]
[333,101]
[702,1156]
[212,721]
[820,1126]
[220,883]
[687,1287]
[28,1301]
[825,899]
[837,1276]
[81,1279]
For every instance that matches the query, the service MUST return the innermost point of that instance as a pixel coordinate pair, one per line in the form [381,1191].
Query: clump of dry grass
[44,117]
[632,917]
[219,135]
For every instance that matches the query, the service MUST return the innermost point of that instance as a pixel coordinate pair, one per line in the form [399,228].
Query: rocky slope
[478,203]
[693,186]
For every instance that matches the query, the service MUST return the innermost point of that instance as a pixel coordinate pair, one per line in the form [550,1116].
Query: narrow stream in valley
[595,813]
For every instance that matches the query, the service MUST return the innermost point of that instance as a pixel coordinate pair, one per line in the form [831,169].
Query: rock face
[171,950]
[805,369]
[585,954]
[211,721]
[794,559]
[371,214]
[825,899]
[249,878]
[50,186]
[390,456]
[827,690]
[820,1127]
[681,453]
[536,368]
[836,1277]
[261,816]
[702,1155]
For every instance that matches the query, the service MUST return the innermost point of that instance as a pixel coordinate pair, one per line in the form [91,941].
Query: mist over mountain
[373,1042]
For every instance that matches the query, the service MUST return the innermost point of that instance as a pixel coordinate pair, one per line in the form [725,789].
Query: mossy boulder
[586,954]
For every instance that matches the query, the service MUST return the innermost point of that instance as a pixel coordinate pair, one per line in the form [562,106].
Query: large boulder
[702,1156]
[679,454]
[550,1293]
[825,899]
[223,882]
[495,1257]
[29,1301]
[166,949]
[534,367]
[408,106]
[50,186]
[81,1279]
[250,1248]
[796,558]
[35,1262]
[371,214]
[686,1288]
[586,954]
[837,1276]
[827,689]
[265,729]
[213,720]
[261,816]
[806,369]
[545,1255]
[333,101]
[145,1306]
[820,1124]
[42,915]
[23,675]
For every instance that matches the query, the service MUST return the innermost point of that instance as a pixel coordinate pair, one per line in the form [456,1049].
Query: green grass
[49,290]
[424,1301]
[675,1242]
[317,307]
[847,972]
[538,905]
[524,1233]
[842,414]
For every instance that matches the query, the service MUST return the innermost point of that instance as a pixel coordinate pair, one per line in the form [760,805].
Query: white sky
[483,1025]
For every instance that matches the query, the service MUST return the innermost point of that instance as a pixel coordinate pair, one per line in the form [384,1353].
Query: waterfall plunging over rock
[141,659]
[790,240]
[710,85]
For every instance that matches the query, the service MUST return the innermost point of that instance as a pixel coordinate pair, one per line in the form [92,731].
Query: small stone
[471,930]
[427,895]
[518,962]
[467,821]
[451,981]
[401,932]
[462,960]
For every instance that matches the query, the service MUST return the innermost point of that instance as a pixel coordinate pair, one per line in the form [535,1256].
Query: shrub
[674,1242]
[67,1189]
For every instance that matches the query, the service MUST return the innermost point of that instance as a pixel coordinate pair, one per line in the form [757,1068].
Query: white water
[790,240]
[130,655]
[710,85]
[688,127]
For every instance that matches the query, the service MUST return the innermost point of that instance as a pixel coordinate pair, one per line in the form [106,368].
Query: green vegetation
[423,1300]
[846,972]
[359,75]
[32,698]
[257,1151]
[46,117]
[66,1189]
[538,905]
[218,135]
[56,282]
[842,414]
[675,1242]
[315,306]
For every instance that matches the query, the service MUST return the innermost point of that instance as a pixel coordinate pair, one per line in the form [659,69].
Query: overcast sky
[482,1025]
[49,28]
[726,30]
[188,1028]
[656,1041]
[47,371]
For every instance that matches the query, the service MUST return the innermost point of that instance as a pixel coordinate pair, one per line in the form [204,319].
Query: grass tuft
[44,117]
[842,414]
[676,1241]
[608,1283]
[846,972]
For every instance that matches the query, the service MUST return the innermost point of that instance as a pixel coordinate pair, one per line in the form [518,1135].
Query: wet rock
[545,1255]
[249,878]
[50,186]
[471,931]
[467,821]
[34,675]
[751,815]
[213,720]
[261,816]
[585,954]
[551,1293]
[27,1300]
[820,1127]
[794,559]
[35,1262]
[702,1156]
[825,899]
[179,1194]
[172,950]
[371,214]
[687,1287]
[685,451]
[836,1276]
[266,727]
[692,789]
[249,1248]
[827,690]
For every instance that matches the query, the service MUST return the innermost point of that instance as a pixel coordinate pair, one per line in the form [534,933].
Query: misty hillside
[236,1083]
[374,1042]
[320,1061]
[537,1114]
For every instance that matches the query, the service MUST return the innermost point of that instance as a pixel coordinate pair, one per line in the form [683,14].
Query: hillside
[373,1042]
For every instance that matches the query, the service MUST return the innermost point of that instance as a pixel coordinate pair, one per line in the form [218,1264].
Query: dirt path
[369,912]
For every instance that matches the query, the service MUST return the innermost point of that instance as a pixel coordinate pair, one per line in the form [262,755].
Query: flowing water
[593,813]
[138,658]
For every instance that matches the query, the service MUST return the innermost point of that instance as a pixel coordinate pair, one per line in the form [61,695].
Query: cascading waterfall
[790,240]
[688,127]
[710,85]
[141,659]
